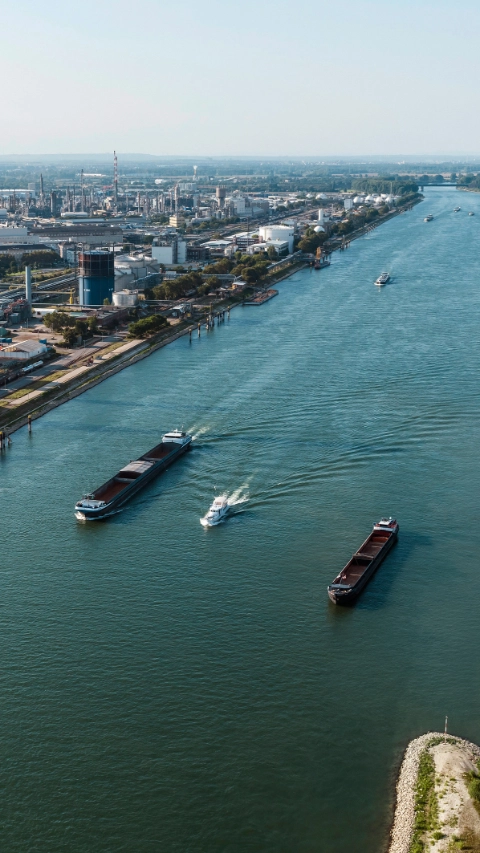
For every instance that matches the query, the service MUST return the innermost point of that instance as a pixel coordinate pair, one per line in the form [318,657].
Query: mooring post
[29,423]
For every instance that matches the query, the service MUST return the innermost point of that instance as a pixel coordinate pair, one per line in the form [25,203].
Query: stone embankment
[453,758]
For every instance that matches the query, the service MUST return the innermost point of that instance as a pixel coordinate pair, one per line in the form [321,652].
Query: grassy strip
[34,386]
[473,785]
[426,805]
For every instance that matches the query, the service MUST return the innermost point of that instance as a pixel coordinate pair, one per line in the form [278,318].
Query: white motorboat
[217,512]
[382,279]
[456,209]
[428,217]
[471,213]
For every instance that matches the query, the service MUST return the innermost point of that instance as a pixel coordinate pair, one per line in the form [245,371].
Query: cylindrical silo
[96,279]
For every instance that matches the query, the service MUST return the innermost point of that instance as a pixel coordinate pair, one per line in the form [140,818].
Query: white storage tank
[125,298]
[277,232]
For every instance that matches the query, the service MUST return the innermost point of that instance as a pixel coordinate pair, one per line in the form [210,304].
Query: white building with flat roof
[23,350]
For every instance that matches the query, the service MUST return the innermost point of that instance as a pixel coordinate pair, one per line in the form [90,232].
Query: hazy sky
[253,77]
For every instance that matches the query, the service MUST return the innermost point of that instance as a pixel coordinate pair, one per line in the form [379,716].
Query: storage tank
[96,279]
[277,232]
[221,194]
[125,298]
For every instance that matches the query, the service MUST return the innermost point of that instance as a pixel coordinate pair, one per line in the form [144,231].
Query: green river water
[170,688]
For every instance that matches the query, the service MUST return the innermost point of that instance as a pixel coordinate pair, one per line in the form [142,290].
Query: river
[170,688]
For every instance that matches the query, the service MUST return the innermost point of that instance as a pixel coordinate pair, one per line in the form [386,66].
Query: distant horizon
[398,159]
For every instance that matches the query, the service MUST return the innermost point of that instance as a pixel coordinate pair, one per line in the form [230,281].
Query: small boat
[217,512]
[382,279]
[456,209]
[112,495]
[348,585]
[471,213]
[429,217]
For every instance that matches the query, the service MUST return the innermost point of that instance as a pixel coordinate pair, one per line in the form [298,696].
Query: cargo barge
[107,499]
[260,298]
[348,585]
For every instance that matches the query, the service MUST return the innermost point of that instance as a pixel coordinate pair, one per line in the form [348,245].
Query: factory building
[170,254]
[96,280]
[23,350]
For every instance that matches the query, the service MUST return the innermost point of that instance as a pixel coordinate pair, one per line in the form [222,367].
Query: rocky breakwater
[438,797]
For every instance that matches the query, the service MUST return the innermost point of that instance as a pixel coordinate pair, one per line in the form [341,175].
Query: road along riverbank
[436,806]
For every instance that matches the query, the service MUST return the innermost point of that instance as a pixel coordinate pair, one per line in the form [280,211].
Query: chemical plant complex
[93,260]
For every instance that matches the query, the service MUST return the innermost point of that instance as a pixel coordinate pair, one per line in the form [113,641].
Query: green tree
[251,275]
[40,258]
[147,326]
[69,336]
[58,320]
[272,253]
[6,262]
[81,328]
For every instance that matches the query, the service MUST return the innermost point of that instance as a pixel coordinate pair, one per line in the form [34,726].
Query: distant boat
[428,218]
[382,279]
[456,209]
[471,213]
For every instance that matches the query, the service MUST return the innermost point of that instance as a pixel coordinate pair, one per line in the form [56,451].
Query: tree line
[70,327]
[250,268]
[41,258]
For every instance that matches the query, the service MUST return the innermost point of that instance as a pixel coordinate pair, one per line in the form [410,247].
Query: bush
[474,786]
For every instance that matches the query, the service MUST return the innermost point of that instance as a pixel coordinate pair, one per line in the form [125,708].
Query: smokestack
[28,285]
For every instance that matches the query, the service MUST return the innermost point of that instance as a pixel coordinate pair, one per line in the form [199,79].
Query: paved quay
[73,374]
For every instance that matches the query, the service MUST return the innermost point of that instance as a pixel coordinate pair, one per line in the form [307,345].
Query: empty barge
[360,569]
[108,499]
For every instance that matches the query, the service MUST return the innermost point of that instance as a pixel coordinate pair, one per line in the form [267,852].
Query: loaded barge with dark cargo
[108,499]
[360,569]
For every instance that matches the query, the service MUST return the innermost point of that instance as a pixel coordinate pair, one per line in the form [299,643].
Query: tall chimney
[28,285]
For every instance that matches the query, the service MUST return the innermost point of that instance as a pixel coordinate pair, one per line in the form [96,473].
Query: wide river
[170,688]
